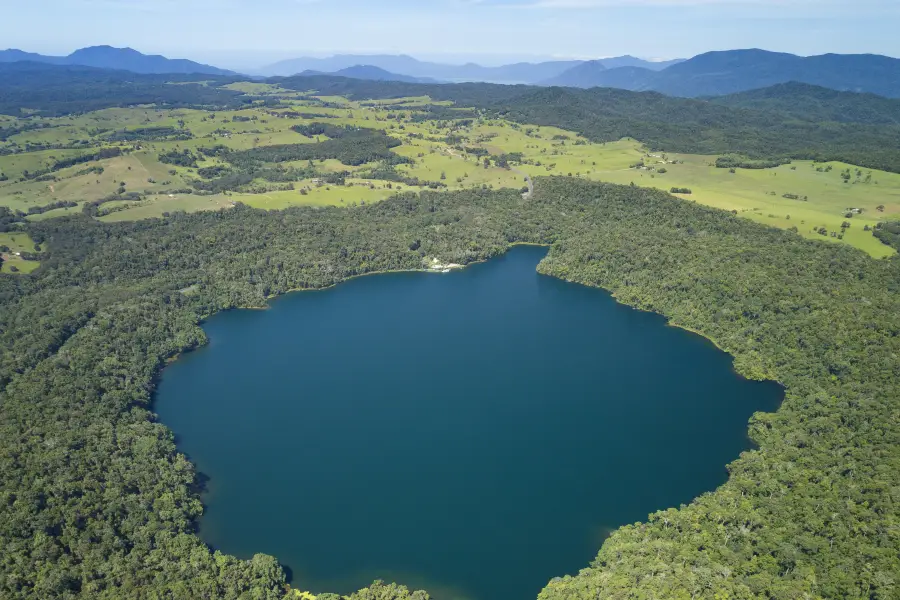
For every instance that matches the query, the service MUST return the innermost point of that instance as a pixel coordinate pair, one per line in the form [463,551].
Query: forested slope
[817,104]
[96,502]
[52,90]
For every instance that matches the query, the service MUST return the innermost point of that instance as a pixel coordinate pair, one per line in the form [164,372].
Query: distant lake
[475,433]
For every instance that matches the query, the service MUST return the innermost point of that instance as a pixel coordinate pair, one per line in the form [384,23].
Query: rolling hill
[817,104]
[124,59]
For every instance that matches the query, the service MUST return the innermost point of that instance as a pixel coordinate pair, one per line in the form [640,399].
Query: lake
[475,433]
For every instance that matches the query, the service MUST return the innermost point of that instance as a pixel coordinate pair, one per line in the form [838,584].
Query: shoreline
[669,322]
[455,267]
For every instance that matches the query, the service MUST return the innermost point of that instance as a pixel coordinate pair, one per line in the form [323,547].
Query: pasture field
[437,150]
[16,242]
[809,196]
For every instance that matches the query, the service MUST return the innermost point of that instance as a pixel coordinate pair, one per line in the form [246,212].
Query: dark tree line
[179,158]
[736,162]
[889,233]
[65,163]
[145,134]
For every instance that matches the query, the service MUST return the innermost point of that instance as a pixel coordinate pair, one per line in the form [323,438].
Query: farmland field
[11,245]
[165,160]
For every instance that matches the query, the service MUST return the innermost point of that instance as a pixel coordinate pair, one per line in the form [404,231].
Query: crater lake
[474,433]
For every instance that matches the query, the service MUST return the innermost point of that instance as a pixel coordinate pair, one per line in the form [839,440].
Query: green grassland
[167,204]
[759,194]
[17,242]
[445,152]
[257,89]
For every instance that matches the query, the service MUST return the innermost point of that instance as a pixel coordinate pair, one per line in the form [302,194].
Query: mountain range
[522,72]
[732,71]
[706,75]
[107,57]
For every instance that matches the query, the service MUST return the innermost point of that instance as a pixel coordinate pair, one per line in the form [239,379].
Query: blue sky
[246,33]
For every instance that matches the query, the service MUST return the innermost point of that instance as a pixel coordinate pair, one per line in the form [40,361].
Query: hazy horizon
[254,60]
[257,59]
[238,34]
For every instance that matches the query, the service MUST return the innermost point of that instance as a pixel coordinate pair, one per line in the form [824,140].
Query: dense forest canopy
[352,146]
[52,90]
[817,104]
[94,487]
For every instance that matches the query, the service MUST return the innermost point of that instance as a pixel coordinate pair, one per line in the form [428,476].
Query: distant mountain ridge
[733,71]
[618,62]
[124,59]
[522,72]
[711,74]
[370,73]
[594,73]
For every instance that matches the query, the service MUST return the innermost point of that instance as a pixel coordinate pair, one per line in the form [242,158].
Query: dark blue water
[474,433]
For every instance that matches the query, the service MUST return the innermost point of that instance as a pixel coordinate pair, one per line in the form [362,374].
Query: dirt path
[527,195]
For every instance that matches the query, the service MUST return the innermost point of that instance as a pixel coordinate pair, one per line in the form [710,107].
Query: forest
[98,503]
[51,90]
[351,146]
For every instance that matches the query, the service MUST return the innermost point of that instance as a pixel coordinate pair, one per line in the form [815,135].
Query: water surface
[474,433]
